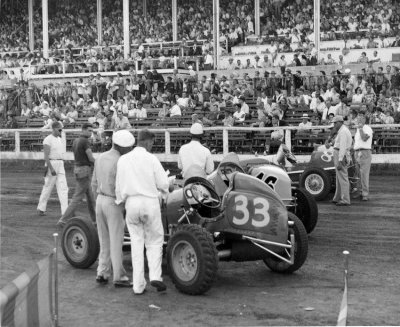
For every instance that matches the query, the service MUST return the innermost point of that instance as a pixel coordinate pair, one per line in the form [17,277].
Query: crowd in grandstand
[220,100]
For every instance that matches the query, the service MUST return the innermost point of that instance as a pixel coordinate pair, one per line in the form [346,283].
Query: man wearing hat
[363,156]
[194,153]
[230,65]
[140,179]
[305,122]
[341,159]
[109,216]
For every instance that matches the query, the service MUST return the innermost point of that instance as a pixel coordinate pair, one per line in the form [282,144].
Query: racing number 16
[241,203]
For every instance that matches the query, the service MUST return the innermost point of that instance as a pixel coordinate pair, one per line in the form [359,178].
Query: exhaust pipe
[224,254]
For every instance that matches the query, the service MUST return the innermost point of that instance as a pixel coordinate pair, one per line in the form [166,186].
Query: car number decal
[242,214]
[327,156]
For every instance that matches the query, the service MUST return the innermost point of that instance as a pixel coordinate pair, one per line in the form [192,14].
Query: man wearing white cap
[109,216]
[305,121]
[140,179]
[341,159]
[194,153]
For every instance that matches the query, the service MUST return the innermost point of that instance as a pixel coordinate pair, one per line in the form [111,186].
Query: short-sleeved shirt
[79,147]
[57,147]
[359,143]
[194,153]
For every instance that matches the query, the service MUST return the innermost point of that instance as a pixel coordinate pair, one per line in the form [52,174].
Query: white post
[167,143]
[99,22]
[317,22]
[225,142]
[174,21]
[31,30]
[17,143]
[175,62]
[55,262]
[127,43]
[216,33]
[288,139]
[197,65]
[144,8]
[45,23]
[257,17]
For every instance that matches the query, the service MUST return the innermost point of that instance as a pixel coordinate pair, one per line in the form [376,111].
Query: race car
[230,215]
[317,176]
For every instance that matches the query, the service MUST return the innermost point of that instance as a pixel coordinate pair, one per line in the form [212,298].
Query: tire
[317,182]
[300,252]
[195,244]
[80,242]
[306,209]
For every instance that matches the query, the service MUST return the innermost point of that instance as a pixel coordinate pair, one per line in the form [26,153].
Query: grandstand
[266,51]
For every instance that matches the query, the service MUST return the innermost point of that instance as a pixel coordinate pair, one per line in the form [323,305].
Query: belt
[57,159]
[337,149]
[362,150]
[107,195]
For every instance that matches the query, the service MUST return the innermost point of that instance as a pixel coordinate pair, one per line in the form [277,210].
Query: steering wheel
[205,196]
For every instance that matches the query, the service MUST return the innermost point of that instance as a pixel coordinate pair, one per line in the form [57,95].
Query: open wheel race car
[230,215]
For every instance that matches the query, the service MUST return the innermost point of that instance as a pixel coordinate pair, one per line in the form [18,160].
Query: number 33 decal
[261,207]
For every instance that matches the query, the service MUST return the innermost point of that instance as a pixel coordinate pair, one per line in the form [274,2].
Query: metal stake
[55,235]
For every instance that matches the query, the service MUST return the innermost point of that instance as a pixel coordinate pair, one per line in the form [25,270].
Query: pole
[99,22]
[317,22]
[257,17]
[174,21]
[216,32]
[144,8]
[342,318]
[55,235]
[31,31]
[127,46]
[45,23]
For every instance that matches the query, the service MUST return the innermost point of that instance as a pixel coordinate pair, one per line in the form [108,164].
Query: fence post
[17,142]
[175,62]
[197,65]
[167,143]
[63,66]
[55,235]
[136,65]
[288,139]
[225,143]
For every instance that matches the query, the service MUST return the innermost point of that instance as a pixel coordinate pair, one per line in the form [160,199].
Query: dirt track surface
[245,293]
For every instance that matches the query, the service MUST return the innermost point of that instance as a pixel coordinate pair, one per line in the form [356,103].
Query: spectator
[305,122]
[120,122]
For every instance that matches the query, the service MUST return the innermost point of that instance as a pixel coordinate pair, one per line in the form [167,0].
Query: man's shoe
[41,213]
[159,285]
[141,293]
[123,283]
[342,204]
[364,198]
[101,280]
[334,202]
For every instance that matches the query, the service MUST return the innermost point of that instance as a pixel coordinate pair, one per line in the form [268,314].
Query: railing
[169,151]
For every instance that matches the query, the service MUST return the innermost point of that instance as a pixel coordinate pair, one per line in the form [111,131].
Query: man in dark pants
[84,161]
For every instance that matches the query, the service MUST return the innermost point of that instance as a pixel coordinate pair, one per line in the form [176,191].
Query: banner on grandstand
[28,300]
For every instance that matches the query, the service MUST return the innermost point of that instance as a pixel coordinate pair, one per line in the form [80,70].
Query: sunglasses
[60,130]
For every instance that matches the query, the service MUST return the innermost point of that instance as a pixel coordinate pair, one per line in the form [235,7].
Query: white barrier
[167,156]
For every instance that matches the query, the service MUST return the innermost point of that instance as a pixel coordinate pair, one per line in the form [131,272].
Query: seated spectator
[11,122]
[369,95]
[305,122]
[229,120]
[120,122]
[238,116]
[363,59]
[358,97]
[175,110]
[164,111]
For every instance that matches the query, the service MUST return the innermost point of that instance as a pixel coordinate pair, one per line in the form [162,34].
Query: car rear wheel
[300,249]
[317,182]
[192,259]
[306,209]
[80,242]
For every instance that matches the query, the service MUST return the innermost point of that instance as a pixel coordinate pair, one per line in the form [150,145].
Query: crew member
[54,149]
[362,148]
[109,216]
[194,153]
[341,159]
[84,161]
[140,178]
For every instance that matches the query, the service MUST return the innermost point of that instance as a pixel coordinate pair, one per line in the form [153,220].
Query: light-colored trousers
[143,218]
[110,226]
[342,193]
[363,160]
[61,184]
